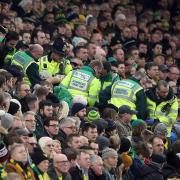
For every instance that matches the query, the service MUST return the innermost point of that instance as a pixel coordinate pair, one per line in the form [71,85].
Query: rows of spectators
[89,90]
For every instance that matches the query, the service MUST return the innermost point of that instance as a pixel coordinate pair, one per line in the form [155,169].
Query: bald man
[59,168]
[27,61]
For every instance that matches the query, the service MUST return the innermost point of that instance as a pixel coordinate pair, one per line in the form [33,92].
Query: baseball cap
[126,109]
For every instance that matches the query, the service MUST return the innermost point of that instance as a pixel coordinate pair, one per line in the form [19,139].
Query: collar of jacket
[108,77]
[89,69]
[151,94]
[134,79]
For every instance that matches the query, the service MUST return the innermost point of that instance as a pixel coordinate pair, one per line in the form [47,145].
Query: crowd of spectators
[50,128]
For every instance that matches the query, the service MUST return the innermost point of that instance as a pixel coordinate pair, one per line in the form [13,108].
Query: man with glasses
[30,121]
[60,167]
[51,126]
[22,91]
[67,127]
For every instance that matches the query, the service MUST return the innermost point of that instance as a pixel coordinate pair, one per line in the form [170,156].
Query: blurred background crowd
[89,89]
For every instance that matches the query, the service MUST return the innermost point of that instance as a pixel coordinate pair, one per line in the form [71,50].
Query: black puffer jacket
[151,172]
[170,172]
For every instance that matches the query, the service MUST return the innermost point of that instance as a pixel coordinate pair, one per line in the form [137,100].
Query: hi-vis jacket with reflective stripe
[166,112]
[83,82]
[123,92]
[53,67]
[23,60]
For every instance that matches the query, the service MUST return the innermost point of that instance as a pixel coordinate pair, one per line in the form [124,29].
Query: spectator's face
[91,50]
[43,166]
[169,61]
[174,74]
[70,129]
[68,32]
[24,90]
[28,26]
[32,144]
[121,69]
[150,148]
[82,113]
[143,48]
[81,31]
[57,146]
[97,39]
[91,134]
[135,54]
[172,84]
[75,143]
[48,148]
[95,147]
[61,29]
[97,167]
[163,91]
[153,72]
[84,160]
[134,31]
[84,141]
[53,128]
[159,60]
[163,75]
[111,161]
[20,154]
[41,38]
[158,146]
[127,32]
[30,122]
[11,43]
[47,111]
[157,49]
[119,55]
[61,163]
[83,54]
[26,38]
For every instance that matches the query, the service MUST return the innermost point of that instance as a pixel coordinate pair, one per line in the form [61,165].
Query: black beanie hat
[53,98]
[76,108]
[13,108]
[125,145]
[38,156]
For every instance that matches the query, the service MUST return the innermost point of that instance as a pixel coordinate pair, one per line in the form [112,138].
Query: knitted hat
[13,108]
[93,115]
[38,156]
[16,71]
[22,132]
[138,122]
[77,40]
[53,99]
[76,108]
[103,142]
[127,160]
[109,152]
[125,145]
[4,154]
[160,129]
[7,121]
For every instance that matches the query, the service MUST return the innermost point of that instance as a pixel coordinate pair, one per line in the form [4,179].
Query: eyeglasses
[26,90]
[50,145]
[62,162]
[54,125]
[30,120]
[71,127]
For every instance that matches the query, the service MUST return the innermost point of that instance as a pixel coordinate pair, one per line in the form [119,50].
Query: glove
[149,121]
[173,137]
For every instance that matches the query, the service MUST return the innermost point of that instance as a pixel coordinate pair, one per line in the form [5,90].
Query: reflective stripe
[92,97]
[124,97]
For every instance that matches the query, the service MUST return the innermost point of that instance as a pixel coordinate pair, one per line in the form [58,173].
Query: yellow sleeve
[65,82]
[174,111]
[68,68]
[94,89]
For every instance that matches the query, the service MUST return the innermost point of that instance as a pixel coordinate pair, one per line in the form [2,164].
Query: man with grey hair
[67,127]
[130,92]
[30,121]
[27,61]
[96,168]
